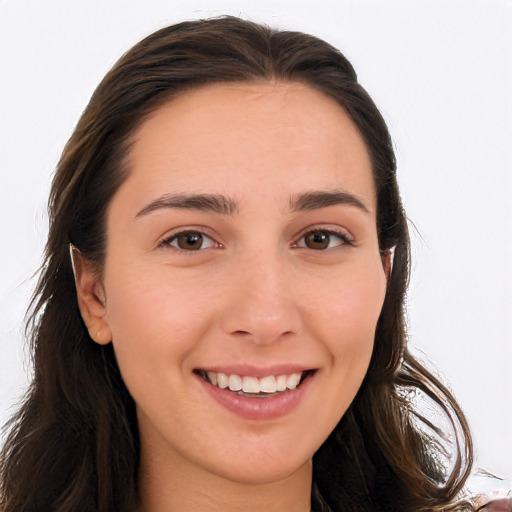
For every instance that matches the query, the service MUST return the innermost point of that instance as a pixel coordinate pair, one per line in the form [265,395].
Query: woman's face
[242,252]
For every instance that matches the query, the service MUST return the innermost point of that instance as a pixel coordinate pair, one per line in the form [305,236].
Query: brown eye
[322,239]
[317,240]
[190,241]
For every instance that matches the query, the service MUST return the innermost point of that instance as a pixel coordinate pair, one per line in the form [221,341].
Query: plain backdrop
[440,71]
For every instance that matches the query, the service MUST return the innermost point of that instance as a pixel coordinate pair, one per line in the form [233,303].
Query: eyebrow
[203,202]
[217,203]
[322,199]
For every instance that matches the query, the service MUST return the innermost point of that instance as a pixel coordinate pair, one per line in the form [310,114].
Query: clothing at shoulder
[502,505]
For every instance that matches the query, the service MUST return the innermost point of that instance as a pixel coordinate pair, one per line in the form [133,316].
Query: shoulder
[500,505]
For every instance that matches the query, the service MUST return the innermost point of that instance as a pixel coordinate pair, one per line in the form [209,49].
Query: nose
[263,304]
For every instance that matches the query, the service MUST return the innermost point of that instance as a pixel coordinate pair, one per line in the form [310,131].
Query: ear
[91,297]
[387,261]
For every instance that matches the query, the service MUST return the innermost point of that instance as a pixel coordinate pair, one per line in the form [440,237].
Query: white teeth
[212,376]
[250,385]
[254,385]
[281,382]
[268,384]
[293,380]
[222,380]
[235,383]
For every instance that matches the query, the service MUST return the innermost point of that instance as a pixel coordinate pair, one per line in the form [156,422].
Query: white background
[440,70]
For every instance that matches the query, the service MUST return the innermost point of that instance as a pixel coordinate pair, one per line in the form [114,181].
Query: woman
[219,323]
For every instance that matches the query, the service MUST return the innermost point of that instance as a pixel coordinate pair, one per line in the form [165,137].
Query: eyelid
[165,240]
[338,231]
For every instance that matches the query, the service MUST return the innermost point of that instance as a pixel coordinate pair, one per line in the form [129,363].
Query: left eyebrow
[203,202]
[322,199]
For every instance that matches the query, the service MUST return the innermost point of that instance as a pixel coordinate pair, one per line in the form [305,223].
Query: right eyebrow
[216,203]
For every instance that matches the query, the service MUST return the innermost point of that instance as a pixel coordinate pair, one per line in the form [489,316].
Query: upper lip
[257,371]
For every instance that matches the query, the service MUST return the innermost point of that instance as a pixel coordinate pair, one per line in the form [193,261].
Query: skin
[256,291]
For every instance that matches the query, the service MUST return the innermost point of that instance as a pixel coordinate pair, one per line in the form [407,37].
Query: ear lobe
[91,297]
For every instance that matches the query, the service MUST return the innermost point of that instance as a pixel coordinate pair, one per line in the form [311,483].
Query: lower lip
[255,408]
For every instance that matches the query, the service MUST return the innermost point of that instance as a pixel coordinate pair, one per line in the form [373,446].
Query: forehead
[224,136]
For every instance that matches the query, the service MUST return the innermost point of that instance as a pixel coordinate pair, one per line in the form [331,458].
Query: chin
[262,466]
[270,474]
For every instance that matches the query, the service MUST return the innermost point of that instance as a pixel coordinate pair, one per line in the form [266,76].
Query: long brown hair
[73,445]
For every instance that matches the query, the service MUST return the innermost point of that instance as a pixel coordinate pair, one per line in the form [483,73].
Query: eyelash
[172,240]
[341,235]
[169,240]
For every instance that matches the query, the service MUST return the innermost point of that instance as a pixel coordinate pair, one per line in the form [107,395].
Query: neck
[172,487]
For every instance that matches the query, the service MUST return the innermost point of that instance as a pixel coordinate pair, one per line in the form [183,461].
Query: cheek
[345,317]
[153,305]
[348,305]
[155,322]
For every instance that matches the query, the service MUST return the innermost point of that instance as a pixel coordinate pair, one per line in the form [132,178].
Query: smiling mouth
[249,386]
